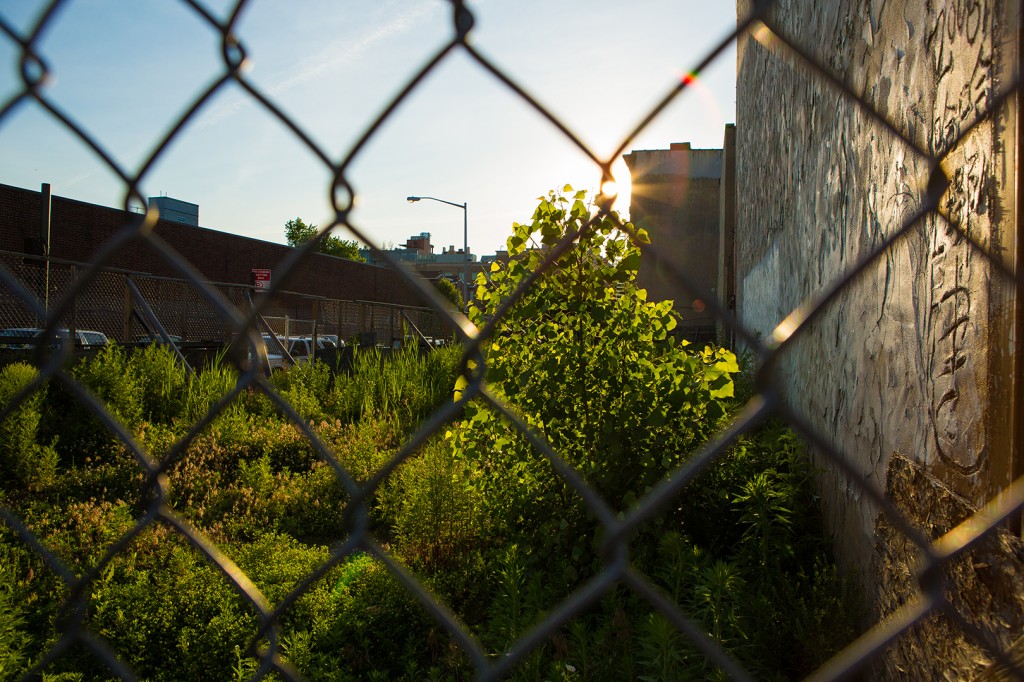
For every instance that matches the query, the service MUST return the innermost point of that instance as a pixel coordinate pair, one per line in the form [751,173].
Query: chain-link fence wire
[104,305]
[616,528]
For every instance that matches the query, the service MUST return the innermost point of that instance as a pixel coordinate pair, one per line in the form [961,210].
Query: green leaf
[630,262]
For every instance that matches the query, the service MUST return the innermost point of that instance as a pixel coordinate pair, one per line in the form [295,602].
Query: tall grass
[400,382]
[25,461]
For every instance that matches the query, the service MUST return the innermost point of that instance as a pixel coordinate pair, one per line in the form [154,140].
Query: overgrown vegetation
[477,513]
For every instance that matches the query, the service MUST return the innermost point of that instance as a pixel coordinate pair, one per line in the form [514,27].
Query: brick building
[677,197]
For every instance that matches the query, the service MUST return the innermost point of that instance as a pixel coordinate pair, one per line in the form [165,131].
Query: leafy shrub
[79,533]
[588,360]
[15,641]
[591,365]
[241,483]
[433,513]
[78,429]
[23,461]
[306,387]
[307,505]
[380,627]
[434,507]
[363,447]
[118,477]
[170,614]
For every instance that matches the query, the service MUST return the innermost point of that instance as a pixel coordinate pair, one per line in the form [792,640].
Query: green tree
[589,363]
[297,233]
[450,291]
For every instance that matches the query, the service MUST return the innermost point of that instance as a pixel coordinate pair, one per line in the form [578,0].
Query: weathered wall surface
[985,583]
[915,355]
[727,232]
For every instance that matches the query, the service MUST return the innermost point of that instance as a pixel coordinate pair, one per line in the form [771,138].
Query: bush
[15,641]
[24,463]
[170,614]
[79,430]
[362,448]
[380,628]
[306,387]
[590,364]
[434,508]
[433,514]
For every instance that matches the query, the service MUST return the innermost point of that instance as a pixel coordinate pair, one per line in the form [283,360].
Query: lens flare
[693,83]
[609,189]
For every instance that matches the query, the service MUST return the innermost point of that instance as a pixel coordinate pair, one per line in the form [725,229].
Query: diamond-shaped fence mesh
[91,296]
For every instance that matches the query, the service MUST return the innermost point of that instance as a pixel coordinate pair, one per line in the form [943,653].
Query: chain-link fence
[200,310]
[106,304]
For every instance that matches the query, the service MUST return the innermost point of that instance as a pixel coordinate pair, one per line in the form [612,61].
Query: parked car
[301,348]
[146,338]
[333,339]
[274,344]
[274,359]
[25,337]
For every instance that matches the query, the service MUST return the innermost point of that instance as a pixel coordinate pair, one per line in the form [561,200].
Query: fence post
[315,330]
[129,308]
[226,330]
[341,307]
[73,313]
[44,234]
[183,309]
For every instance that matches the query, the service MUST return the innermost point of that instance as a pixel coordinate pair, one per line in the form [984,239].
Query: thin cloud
[333,56]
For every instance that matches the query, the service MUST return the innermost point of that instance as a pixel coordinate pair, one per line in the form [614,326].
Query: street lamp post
[465,243]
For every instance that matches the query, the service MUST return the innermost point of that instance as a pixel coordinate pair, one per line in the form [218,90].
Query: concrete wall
[915,356]
[676,198]
[727,232]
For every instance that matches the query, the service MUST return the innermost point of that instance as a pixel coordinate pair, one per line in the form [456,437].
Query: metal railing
[225,307]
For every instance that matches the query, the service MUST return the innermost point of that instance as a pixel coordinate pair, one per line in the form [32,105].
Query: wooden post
[73,313]
[183,320]
[129,307]
[315,330]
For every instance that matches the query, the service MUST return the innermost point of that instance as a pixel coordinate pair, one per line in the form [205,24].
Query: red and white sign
[261,278]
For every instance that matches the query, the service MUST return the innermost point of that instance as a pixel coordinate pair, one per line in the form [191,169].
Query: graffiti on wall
[904,367]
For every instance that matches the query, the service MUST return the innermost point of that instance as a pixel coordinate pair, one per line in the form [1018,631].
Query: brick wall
[676,198]
[79,230]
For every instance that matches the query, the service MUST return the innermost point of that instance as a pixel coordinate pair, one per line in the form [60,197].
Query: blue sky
[125,70]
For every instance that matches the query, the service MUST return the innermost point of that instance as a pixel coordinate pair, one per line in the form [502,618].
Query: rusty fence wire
[73,292]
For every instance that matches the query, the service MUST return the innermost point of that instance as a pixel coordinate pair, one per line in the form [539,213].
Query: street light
[465,243]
